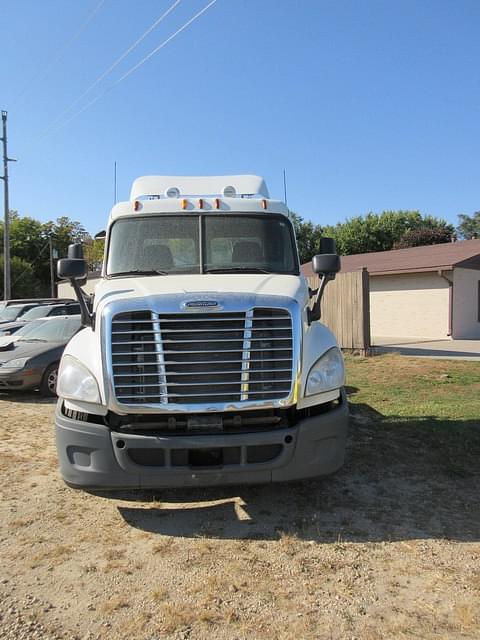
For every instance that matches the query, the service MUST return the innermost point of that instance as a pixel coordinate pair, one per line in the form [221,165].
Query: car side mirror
[101,235]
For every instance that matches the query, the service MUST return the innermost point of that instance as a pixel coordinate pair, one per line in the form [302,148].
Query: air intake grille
[199,358]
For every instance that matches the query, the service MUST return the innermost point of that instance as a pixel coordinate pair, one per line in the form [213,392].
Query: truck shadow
[404,478]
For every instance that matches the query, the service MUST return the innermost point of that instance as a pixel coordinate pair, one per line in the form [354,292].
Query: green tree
[423,236]
[379,232]
[24,282]
[29,241]
[308,237]
[469,226]
[93,250]
[64,232]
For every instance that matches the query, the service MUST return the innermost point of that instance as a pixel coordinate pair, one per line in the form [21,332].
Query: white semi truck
[203,360]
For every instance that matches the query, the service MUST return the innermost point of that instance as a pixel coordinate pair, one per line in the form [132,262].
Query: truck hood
[211,284]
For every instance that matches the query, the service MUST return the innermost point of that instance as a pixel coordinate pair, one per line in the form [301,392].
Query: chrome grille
[199,358]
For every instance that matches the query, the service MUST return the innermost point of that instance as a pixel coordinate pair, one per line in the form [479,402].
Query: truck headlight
[327,373]
[76,382]
[16,363]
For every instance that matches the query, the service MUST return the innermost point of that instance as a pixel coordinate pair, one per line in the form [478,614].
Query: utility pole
[52,270]
[6,227]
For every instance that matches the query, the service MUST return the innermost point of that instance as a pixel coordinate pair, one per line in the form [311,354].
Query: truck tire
[48,385]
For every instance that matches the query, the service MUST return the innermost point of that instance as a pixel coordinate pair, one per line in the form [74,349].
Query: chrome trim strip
[247,343]
[162,378]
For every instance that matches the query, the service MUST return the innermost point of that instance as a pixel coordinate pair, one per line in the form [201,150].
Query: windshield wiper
[31,340]
[237,269]
[139,272]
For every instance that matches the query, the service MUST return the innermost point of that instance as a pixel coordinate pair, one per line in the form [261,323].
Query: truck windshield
[168,244]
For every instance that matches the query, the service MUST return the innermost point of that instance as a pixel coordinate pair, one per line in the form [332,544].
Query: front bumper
[19,379]
[94,457]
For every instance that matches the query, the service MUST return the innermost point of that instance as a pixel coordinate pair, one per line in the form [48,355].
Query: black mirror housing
[75,251]
[68,268]
[326,263]
[328,245]
[101,235]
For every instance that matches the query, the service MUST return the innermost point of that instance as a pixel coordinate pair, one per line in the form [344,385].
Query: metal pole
[6,226]
[285,187]
[52,271]
[115,182]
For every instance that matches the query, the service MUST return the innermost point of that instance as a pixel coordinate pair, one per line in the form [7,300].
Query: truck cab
[203,360]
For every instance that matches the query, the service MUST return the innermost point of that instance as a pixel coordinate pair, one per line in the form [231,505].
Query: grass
[414,405]
[396,386]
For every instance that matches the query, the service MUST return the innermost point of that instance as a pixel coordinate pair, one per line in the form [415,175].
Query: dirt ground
[387,548]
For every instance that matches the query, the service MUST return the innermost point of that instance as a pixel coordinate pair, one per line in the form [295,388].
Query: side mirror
[74,268]
[326,263]
[75,251]
[101,235]
[68,268]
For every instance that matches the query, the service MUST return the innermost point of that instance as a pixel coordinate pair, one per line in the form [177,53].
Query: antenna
[285,186]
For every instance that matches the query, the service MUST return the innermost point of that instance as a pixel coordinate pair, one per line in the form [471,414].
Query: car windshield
[37,312]
[10,313]
[55,330]
[166,244]
[27,328]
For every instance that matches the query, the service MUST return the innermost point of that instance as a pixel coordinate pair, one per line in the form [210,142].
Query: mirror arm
[315,312]
[86,316]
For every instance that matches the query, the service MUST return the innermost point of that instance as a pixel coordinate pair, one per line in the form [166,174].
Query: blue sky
[368,105]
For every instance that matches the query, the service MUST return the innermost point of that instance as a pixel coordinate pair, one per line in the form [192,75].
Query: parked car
[13,312]
[8,303]
[7,338]
[31,361]
[41,311]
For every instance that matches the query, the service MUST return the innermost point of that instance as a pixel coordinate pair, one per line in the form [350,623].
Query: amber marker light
[184,203]
[200,203]
[264,204]
[136,205]
[217,203]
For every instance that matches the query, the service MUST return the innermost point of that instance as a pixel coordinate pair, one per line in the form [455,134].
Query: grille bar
[195,373]
[190,362]
[231,356]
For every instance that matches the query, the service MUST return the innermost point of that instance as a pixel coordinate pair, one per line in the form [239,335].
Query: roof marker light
[217,203]
[136,205]
[200,203]
[184,203]
[264,204]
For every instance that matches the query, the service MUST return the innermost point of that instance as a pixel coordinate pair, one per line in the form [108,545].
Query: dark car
[40,311]
[32,360]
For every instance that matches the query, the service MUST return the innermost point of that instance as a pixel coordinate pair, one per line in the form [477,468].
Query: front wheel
[48,386]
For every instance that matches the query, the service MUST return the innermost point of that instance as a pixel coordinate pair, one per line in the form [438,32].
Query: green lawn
[397,386]
[417,407]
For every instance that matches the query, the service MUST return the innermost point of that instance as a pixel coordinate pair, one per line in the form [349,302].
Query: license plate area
[205,457]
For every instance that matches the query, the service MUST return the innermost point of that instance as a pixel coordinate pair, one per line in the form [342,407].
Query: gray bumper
[17,380]
[94,457]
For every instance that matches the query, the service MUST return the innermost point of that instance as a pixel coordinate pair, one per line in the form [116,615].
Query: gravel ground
[387,548]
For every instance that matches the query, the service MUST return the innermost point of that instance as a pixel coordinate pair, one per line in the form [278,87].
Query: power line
[111,67]
[134,68]
[56,56]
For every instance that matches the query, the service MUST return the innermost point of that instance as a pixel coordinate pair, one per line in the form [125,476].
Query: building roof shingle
[465,253]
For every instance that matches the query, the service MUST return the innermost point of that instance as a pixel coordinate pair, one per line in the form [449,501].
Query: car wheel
[48,386]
